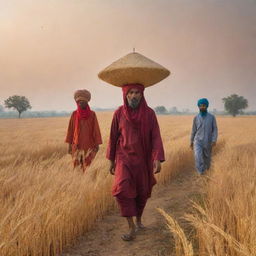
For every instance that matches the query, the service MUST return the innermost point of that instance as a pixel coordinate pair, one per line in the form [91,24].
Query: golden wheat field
[46,205]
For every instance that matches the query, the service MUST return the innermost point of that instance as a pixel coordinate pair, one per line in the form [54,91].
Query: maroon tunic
[134,144]
[134,163]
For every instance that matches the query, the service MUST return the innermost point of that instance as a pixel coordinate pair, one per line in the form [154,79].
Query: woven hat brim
[134,75]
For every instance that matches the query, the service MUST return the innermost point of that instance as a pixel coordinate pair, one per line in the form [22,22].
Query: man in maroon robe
[135,152]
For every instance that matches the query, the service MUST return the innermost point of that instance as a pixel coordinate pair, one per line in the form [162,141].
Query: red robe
[89,137]
[134,164]
[134,144]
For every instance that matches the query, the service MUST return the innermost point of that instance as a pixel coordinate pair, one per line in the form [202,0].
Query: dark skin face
[133,97]
[202,107]
[83,104]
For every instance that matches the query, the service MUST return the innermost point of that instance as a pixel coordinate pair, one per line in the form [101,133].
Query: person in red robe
[83,135]
[135,151]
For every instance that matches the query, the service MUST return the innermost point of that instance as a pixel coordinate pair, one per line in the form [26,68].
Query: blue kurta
[204,133]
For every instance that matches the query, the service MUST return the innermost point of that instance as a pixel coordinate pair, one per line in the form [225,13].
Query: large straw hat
[134,68]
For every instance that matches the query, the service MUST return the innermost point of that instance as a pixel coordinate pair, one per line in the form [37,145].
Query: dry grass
[182,245]
[45,205]
[226,222]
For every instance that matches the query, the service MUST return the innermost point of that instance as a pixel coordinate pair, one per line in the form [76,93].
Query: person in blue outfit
[203,136]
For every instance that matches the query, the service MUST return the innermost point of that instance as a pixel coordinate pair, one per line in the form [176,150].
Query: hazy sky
[50,48]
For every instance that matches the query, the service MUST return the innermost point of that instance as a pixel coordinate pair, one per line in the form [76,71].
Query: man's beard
[133,103]
[203,112]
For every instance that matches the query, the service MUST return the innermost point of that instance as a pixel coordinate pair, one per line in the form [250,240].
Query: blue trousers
[202,156]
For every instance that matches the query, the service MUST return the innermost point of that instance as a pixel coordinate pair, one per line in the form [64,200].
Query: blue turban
[203,101]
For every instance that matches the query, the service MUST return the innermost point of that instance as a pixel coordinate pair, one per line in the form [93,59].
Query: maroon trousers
[131,189]
[130,207]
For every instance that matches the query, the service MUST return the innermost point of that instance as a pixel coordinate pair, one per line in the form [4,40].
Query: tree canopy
[19,103]
[161,110]
[234,104]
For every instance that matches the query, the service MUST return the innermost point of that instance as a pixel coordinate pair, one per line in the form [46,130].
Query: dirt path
[156,240]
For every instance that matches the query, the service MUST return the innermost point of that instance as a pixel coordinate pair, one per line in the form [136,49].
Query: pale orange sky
[49,48]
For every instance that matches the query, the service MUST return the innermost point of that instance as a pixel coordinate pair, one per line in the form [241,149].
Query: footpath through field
[175,198]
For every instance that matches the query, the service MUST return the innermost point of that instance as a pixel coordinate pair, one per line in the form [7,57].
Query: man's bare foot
[132,229]
[130,236]
[139,225]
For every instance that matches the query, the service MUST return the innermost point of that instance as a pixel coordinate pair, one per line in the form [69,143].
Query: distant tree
[1,108]
[234,104]
[19,103]
[160,110]
[174,110]
[185,111]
